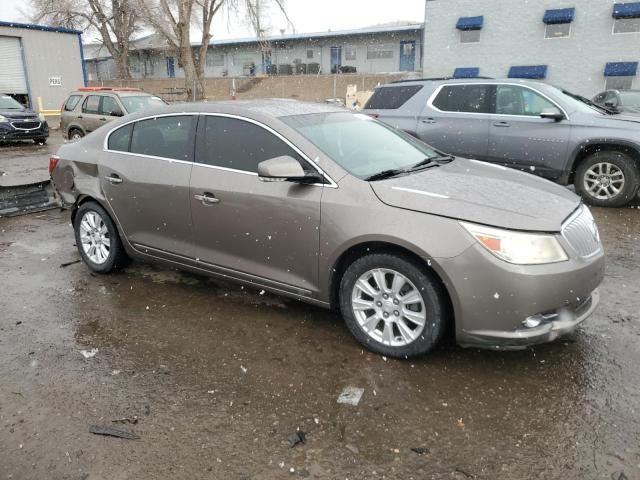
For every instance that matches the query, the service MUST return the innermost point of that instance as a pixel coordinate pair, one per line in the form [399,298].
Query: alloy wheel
[604,180]
[94,237]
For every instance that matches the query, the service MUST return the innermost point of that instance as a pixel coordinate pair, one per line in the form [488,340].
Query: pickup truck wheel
[75,134]
[393,306]
[607,179]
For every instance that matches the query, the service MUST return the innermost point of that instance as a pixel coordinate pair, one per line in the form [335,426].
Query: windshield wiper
[385,174]
[432,162]
[586,101]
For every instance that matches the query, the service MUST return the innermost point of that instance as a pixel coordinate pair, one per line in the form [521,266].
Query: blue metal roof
[621,69]
[560,15]
[470,23]
[528,71]
[466,72]
[626,10]
[44,28]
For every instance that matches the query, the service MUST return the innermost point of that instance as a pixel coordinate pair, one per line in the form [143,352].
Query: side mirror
[283,169]
[552,113]
[611,106]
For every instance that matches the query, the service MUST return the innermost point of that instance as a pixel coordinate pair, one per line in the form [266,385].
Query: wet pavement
[214,378]
[24,162]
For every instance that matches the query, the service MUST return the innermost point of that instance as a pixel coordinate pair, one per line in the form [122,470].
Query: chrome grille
[25,125]
[581,232]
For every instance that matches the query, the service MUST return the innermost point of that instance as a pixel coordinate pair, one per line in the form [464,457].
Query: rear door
[145,176]
[262,231]
[456,119]
[89,116]
[520,138]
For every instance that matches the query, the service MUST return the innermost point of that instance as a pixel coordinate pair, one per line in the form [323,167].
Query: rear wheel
[97,239]
[392,306]
[607,179]
[75,134]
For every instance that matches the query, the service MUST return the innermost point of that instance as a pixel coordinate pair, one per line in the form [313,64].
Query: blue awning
[470,23]
[466,72]
[626,10]
[561,15]
[621,69]
[529,71]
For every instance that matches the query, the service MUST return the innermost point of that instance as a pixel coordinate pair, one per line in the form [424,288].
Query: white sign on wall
[55,81]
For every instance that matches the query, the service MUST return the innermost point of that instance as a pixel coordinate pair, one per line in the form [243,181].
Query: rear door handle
[501,124]
[207,198]
[428,120]
[113,179]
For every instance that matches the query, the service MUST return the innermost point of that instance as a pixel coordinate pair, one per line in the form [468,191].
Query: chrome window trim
[105,145]
[437,91]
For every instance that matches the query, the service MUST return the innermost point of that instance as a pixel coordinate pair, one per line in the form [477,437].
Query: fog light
[535,320]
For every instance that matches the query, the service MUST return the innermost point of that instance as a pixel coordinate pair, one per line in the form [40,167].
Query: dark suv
[20,123]
[527,125]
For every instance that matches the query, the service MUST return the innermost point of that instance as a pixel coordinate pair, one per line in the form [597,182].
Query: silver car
[341,211]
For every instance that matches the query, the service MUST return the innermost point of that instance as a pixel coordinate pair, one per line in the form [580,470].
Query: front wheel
[607,179]
[393,306]
[97,239]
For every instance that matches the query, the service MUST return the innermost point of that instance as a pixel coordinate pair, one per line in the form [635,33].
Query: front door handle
[501,124]
[207,198]
[113,179]
[429,120]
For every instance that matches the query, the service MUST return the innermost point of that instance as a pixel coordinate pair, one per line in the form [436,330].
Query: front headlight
[518,247]
[3,119]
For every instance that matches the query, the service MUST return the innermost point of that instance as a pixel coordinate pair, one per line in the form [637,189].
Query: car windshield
[630,99]
[581,103]
[141,102]
[361,145]
[8,103]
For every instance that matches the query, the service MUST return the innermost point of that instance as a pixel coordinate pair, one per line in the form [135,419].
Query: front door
[145,175]
[456,120]
[267,232]
[407,55]
[520,138]
[336,59]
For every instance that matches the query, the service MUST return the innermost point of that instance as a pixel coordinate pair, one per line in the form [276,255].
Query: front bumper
[8,132]
[492,298]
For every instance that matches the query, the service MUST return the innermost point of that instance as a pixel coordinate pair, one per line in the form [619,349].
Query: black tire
[40,141]
[117,257]
[624,163]
[429,289]
[75,131]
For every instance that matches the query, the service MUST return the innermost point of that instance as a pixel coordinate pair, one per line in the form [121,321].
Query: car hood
[18,114]
[482,193]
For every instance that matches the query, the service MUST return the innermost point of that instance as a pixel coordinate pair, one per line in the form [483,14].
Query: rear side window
[167,137]
[71,102]
[119,140]
[464,98]
[390,98]
[241,145]
[91,104]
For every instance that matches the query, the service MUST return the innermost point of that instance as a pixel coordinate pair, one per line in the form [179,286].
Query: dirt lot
[215,377]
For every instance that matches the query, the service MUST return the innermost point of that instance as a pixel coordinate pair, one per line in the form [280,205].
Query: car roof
[451,80]
[120,93]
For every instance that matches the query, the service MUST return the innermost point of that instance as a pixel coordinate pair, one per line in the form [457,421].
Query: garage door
[12,78]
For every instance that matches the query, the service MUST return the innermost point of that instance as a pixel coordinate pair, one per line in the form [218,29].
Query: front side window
[470,36]
[340,136]
[619,83]
[464,98]
[239,145]
[516,100]
[91,104]
[119,139]
[110,107]
[215,59]
[309,53]
[71,102]
[167,137]
[135,103]
[626,25]
[557,30]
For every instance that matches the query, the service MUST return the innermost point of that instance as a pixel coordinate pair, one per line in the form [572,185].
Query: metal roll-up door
[12,77]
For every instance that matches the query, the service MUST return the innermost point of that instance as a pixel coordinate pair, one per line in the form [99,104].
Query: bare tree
[115,20]
[173,20]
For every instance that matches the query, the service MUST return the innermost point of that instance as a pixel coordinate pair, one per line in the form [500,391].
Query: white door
[12,77]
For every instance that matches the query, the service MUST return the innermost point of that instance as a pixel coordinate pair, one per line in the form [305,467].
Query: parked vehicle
[20,123]
[89,108]
[339,210]
[527,125]
[627,101]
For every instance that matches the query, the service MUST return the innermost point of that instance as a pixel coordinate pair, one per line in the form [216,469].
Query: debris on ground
[297,437]
[89,353]
[112,432]
[352,448]
[420,450]
[66,264]
[351,396]
[132,421]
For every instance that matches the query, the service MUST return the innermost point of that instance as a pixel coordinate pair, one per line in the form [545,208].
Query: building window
[215,59]
[377,51]
[309,53]
[618,83]
[557,30]
[626,25]
[469,36]
[350,53]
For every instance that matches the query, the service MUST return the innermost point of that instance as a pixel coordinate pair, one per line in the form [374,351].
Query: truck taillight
[53,162]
